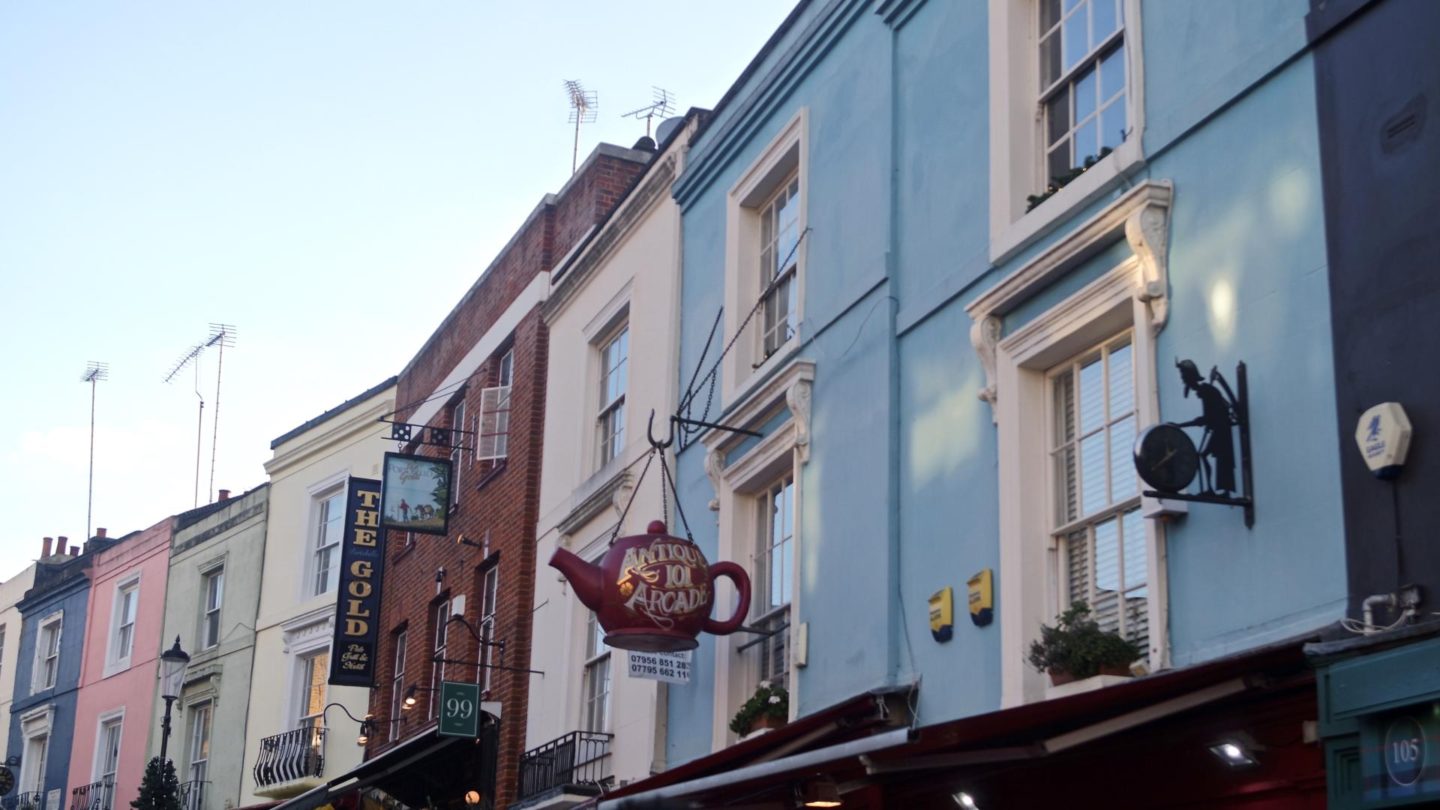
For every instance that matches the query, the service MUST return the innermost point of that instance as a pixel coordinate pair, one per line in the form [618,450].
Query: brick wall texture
[498,500]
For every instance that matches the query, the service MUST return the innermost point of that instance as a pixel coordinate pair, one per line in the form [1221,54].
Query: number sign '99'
[459,709]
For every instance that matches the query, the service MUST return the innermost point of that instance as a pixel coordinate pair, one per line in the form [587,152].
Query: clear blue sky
[328,176]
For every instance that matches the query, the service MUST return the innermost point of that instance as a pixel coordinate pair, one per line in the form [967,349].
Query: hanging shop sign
[653,592]
[673,667]
[354,655]
[459,709]
[416,494]
[7,780]
[1167,458]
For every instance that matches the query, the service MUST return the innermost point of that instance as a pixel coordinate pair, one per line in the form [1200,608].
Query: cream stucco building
[292,742]
[613,314]
[12,591]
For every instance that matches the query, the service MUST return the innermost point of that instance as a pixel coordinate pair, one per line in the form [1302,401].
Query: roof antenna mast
[94,373]
[186,359]
[583,107]
[221,335]
[661,105]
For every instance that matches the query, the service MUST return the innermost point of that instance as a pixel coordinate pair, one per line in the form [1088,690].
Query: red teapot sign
[653,592]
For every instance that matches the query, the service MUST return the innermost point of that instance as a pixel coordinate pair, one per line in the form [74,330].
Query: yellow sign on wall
[982,598]
[942,615]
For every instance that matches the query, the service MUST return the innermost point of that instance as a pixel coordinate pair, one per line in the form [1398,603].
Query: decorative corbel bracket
[985,337]
[797,398]
[715,470]
[1147,229]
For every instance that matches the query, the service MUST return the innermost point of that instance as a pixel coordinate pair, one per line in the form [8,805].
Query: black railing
[192,794]
[293,755]
[577,762]
[94,796]
[32,800]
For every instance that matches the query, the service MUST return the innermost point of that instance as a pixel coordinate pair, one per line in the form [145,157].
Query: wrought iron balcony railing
[30,800]
[94,796]
[192,795]
[293,755]
[578,762]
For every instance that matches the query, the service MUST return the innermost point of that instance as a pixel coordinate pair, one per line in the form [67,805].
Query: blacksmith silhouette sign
[1219,413]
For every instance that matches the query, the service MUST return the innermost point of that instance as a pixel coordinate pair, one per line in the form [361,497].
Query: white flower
[764,684]
[774,699]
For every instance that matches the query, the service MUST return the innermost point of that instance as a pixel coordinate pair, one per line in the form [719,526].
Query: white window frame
[597,679]
[202,729]
[493,441]
[214,573]
[785,158]
[489,608]
[763,613]
[37,680]
[738,482]
[439,646]
[397,682]
[116,719]
[319,496]
[610,411]
[1017,121]
[117,656]
[299,717]
[35,724]
[1133,295]
[457,447]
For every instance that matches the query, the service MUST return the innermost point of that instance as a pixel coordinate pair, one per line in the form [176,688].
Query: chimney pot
[224,494]
[99,531]
[60,544]
[45,547]
[74,551]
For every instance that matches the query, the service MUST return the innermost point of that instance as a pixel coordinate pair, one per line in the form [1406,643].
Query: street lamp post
[172,677]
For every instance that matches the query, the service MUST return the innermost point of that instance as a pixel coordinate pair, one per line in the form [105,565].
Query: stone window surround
[1133,294]
[1017,166]
[736,482]
[787,154]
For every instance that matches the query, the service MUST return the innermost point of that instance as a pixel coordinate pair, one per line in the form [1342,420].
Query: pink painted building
[119,670]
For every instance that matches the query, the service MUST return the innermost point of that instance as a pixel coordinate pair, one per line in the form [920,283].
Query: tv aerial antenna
[94,373]
[221,335]
[662,105]
[583,108]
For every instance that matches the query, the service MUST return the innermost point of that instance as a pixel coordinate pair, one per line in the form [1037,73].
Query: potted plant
[768,708]
[1076,648]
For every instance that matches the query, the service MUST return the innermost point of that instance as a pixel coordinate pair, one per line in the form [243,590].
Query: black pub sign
[353,656]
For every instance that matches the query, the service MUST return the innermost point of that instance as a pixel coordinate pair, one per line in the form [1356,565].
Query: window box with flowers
[768,708]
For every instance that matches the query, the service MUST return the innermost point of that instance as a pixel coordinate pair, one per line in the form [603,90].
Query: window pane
[1086,100]
[1103,18]
[1063,386]
[1122,464]
[1136,559]
[1092,473]
[1058,162]
[1057,117]
[1049,14]
[1112,74]
[1122,382]
[1113,124]
[1067,501]
[1092,396]
[1050,59]
[1077,554]
[1086,142]
[1077,41]
[1107,555]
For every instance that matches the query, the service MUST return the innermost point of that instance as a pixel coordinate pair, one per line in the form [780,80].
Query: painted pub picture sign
[653,592]
[416,494]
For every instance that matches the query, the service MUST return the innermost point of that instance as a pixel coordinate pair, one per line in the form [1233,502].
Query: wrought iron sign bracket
[448,438]
[762,635]
[479,665]
[1167,459]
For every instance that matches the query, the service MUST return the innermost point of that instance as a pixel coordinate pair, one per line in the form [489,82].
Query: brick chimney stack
[74,551]
[100,532]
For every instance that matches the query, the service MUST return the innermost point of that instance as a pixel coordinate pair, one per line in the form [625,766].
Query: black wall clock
[1166,458]
[7,780]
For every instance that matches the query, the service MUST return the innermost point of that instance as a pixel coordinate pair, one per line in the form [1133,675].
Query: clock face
[1166,458]
[7,780]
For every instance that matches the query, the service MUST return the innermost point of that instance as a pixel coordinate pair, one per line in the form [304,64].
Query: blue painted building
[42,714]
[960,250]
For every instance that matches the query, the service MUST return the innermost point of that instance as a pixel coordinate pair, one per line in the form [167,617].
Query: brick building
[483,371]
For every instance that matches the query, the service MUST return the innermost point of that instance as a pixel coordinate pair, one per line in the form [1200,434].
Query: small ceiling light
[822,792]
[1234,753]
[409,699]
[964,800]
[472,797]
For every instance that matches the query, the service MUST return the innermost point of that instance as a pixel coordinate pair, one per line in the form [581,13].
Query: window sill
[1086,685]
[494,473]
[1008,240]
